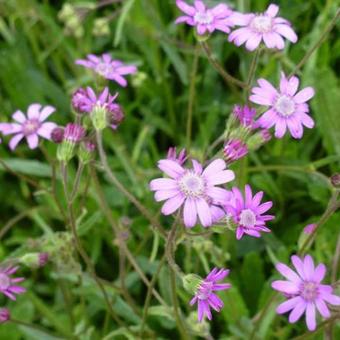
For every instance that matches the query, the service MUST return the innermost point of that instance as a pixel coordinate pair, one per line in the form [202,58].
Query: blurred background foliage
[39,41]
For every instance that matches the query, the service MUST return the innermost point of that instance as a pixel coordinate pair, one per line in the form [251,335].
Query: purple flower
[234,149]
[288,109]
[247,212]
[180,159]
[30,127]
[309,228]
[266,136]
[206,20]
[74,133]
[264,26]
[80,101]
[4,315]
[57,135]
[306,292]
[194,189]
[8,285]
[108,68]
[116,115]
[245,115]
[205,297]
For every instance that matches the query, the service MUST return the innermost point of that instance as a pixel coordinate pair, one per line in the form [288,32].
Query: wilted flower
[264,27]
[234,149]
[108,68]
[4,315]
[194,188]
[8,285]
[247,212]
[31,127]
[306,293]
[205,296]
[206,20]
[180,159]
[288,109]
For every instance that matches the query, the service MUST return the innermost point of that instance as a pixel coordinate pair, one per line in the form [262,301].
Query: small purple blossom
[57,135]
[245,115]
[266,135]
[43,259]
[206,20]
[81,102]
[116,115]
[234,149]
[4,315]
[180,158]
[306,293]
[264,27]
[31,127]
[194,189]
[247,212]
[74,133]
[108,68]
[288,108]
[8,285]
[205,296]
[309,228]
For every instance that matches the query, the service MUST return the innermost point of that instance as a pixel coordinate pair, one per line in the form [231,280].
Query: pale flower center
[192,184]
[5,281]
[104,69]
[203,18]
[261,24]
[309,291]
[285,105]
[247,218]
[30,126]
[205,290]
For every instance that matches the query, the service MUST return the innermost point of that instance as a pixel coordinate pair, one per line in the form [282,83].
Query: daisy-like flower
[205,296]
[194,189]
[247,212]
[305,291]
[206,20]
[108,68]
[264,26]
[31,127]
[288,108]
[8,285]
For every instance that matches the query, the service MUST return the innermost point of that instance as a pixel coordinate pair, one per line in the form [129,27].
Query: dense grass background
[37,65]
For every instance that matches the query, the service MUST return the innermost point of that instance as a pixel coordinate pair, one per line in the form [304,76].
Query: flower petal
[288,305]
[215,166]
[170,167]
[204,213]
[310,317]
[288,273]
[304,95]
[189,213]
[172,204]
[297,312]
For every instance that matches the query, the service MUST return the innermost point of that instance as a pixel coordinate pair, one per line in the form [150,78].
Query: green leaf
[27,167]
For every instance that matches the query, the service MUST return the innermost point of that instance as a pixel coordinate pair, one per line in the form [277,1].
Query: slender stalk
[67,300]
[219,68]
[317,44]
[77,181]
[145,212]
[191,98]
[252,72]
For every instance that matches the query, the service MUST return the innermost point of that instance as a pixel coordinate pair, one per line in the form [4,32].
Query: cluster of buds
[242,134]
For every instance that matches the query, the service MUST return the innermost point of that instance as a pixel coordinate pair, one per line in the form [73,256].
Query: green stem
[252,72]
[77,181]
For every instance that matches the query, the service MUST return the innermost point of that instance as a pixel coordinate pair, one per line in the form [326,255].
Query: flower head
[4,315]
[74,133]
[234,149]
[264,27]
[57,134]
[108,68]
[81,101]
[180,158]
[245,115]
[8,285]
[115,115]
[31,126]
[306,293]
[205,296]
[194,189]
[247,212]
[206,20]
[288,108]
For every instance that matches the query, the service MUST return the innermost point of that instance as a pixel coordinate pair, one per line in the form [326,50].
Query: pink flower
[264,26]
[234,149]
[245,115]
[30,127]
[8,285]
[306,292]
[74,133]
[180,159]
[108,68]
[288,109]
[4,315]
[194,189]
[247,213]
[309,228]
[206,20]
[205,297]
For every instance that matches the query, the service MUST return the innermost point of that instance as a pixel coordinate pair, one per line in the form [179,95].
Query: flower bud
[335,180]
[180,159]
[309,229]
[115,115]
[4,315]
[234,149]
[258,139]
[245,115]
[81,102]
[101,27]
[86,151]
[34,260]
[99,117]
[57,135]
[191,283]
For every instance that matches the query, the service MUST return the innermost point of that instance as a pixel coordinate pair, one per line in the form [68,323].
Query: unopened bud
[191,283]
[4,315]
[115,115]
[86,151]
[335,180]
[57,135]
[234,149]
[34,260]
[309,229]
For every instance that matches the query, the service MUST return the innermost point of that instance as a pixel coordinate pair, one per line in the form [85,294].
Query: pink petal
[287,287]
[293,84]
[298,264]
[220,11]
[32,141]
[221,177]
[287,32]
[239,36]
[322,308]
[240,19]
[204,213]
[288,273]
[319,273]
[118,79]
[197,167]
[269,39]
[280,128]
[15,140]
[308,267]
[306,120]
[163,184]
[189,213]
[162,195]
[19,117]
[283,83]
[129,69]
[199,5]
[310,316]
[272,10]
[46,129]
[33,111]
[172,204]
[331,298]
[239,233]
[288,305]
[268,119]
[297,311]
[170,167]
[267,86]
[253,41]
[185,8]
[216,213]
[267,101]
[185,19]
[280,44]
[46,112]
[215,166]
[304,95]
[219,195]
[201,29]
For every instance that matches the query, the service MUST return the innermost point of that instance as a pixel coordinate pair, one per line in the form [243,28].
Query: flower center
[285,106]
[309,291]
[247,218]
[205,290]
[30,126]
[5,281]
[261,24]
[203,18]
[104,69]
[191,184]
